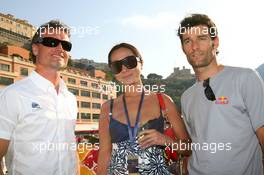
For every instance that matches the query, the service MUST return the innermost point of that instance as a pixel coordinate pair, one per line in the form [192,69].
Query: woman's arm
[3,149]
[153,137]
[176,121]
[105,146]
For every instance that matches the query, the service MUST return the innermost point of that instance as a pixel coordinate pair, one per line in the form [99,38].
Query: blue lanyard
[133,131]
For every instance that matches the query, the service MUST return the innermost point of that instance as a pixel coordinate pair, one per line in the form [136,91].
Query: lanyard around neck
[133,131]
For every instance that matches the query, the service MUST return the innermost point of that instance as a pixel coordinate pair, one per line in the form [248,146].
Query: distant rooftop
[21,21]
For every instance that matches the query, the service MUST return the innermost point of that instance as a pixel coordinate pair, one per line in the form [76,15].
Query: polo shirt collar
[45,84]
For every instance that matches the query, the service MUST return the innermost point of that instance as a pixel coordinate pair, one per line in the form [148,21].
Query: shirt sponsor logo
[222,100]
[35,105]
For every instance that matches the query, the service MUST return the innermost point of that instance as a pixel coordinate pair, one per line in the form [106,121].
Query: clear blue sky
[150,25]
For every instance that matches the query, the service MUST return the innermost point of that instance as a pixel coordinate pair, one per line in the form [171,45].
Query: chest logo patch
[222,100]
[34,105]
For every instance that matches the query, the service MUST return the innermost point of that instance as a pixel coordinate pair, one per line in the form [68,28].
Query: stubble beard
[60,65]
[208,58]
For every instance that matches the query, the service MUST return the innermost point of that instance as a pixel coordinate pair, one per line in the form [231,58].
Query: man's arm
[253,95]
[260,135]
[3,149]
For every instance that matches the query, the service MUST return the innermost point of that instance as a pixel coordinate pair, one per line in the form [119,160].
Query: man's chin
[197,65]
[59,67]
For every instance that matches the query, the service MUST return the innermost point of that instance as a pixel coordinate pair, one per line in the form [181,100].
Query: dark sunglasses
[208,90]
[130,62]
[54,42]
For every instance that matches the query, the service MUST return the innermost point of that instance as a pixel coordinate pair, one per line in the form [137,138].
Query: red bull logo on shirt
[222,100]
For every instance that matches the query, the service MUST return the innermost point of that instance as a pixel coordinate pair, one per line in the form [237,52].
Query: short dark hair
[52,24]
[195,20]
[133,49]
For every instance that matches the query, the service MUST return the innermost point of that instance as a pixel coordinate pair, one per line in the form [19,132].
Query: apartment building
[18,26]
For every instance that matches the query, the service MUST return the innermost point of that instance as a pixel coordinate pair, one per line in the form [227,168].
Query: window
[5,67]
[74,91]
[105,97]
[104,87]
[78,104]
[96,95]
[96,106]
[23,71]
[96,117]
[84,83]
[85,104]
[85,116]
[6,81]
[95,86]
[71,81]
[17,56]
[85,93]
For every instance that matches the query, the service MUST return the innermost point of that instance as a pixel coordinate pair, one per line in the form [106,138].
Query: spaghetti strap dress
[150,160]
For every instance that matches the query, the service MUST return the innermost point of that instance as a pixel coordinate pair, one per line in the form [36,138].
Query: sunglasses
[130,62]
[208,90]
[54,42]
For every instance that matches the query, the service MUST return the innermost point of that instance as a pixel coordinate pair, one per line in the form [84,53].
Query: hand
[151,137]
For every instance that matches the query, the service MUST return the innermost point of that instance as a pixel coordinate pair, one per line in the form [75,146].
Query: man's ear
[35,49]
[215,43]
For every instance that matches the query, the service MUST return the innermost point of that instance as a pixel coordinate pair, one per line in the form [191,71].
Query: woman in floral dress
[131,126]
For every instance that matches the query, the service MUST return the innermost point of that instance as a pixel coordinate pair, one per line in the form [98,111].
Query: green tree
[154,76]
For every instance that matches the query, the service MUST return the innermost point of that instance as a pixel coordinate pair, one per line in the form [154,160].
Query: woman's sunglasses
[130,62]
[54,42]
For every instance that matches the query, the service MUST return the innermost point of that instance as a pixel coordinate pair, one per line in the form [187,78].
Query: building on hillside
[181,74]
[15,31]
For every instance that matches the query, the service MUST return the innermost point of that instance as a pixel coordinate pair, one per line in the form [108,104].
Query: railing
[84,121]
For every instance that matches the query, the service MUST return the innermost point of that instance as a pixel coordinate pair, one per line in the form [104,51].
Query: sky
[151,26]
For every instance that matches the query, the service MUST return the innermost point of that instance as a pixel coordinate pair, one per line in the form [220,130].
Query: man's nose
[195,45]
[59,47]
